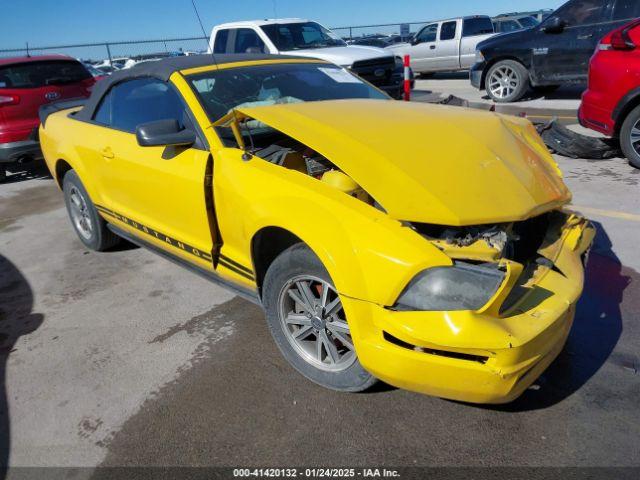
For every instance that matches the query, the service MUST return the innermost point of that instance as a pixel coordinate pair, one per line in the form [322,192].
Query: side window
[248,41]
[103,114]
[626,9]
[448,30]
[220,45]
[144,100]
[476,26]
[428,33]
[581,12]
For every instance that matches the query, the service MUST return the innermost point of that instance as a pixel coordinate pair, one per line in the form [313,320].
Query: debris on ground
[560,139]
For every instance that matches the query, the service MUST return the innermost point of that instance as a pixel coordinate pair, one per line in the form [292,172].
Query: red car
[611,103]
[26,83]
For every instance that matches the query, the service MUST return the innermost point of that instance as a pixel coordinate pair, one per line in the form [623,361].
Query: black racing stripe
[158,235]
[236,264]
[234,269]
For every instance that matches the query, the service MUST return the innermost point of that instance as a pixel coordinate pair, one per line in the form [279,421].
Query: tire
[89,226]
[629,132]
[507,81]
[297,272]
[3,174]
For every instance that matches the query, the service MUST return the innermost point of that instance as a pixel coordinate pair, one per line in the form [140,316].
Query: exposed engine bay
[280,149]
[518,241]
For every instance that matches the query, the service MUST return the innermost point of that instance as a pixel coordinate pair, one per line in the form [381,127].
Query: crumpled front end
[492,354]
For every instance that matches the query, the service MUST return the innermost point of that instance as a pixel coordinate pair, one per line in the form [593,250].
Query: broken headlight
[463,286]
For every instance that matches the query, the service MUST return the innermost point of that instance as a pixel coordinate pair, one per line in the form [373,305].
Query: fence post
[350,34]
[28,49]
[109,54]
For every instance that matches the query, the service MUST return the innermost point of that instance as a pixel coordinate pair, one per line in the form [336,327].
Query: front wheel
[630,137]
[507,81]
[308,323]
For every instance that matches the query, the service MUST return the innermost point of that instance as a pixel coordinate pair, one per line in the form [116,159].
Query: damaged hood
[429,163]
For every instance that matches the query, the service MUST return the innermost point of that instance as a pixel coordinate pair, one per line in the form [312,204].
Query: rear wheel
[308,323]
[507,81]
[630,137]
[89,226]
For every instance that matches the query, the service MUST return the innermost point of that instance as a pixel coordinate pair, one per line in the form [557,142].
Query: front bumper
[14,151]
[471,356]
[475,75]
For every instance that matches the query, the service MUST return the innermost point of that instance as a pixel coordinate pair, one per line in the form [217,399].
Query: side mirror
[415,40]
[554,25]
[163,133]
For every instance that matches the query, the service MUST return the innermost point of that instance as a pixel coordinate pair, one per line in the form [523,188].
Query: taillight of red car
[623,38]
[9,100]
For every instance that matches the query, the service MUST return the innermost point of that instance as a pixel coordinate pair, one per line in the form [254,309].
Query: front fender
[368,255]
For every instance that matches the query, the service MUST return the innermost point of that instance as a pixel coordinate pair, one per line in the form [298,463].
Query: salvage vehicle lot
[122,358]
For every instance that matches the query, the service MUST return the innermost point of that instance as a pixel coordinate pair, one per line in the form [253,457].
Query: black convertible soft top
[163,69]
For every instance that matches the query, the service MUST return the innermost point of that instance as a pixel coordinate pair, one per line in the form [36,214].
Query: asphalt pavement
[122,358]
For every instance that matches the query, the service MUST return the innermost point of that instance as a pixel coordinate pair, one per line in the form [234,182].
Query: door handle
[585,37]
[432,47]
[107,152]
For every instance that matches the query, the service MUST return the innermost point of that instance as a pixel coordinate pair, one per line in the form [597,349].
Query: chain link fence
[118,52]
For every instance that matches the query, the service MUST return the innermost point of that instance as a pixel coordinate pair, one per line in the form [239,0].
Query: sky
[61,22]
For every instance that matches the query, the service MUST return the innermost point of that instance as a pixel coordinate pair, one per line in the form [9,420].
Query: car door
[156,193]
[562,55]
[423,48]
[447,56]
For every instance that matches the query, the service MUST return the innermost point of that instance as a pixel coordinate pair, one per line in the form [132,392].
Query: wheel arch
[624,107]
[62,167]
[266,244]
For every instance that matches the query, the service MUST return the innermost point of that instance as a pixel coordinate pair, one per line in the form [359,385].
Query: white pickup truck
[295,36]
[446,45]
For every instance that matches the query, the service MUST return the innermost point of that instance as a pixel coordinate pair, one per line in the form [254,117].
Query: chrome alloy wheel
[503,82]
[80,213]
[314,323]
[635,137]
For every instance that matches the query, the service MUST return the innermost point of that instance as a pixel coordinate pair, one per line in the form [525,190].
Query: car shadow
[19,172]
[594,334]
[16,319]
[567,92]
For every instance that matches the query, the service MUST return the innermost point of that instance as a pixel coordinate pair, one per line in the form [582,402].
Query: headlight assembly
[463,286]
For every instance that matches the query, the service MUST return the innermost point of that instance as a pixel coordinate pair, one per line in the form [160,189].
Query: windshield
[220,91]
[298,36]
[42,73]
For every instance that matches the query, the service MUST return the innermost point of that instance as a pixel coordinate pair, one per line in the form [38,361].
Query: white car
[446,45]
[299,37]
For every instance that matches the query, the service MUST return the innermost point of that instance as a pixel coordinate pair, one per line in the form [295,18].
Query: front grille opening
[432,351]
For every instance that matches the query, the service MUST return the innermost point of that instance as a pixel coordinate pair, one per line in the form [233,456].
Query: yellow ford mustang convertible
[422,245]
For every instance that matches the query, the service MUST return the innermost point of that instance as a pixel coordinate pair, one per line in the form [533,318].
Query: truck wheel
[507,81]
[630,137]
[89,226]
[307,321]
